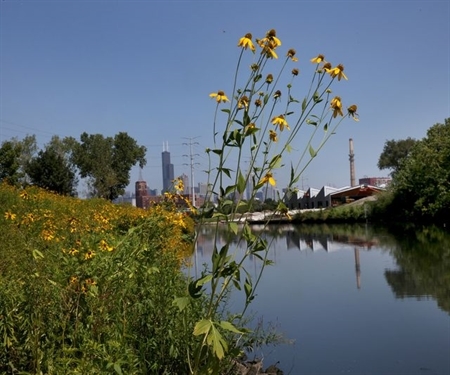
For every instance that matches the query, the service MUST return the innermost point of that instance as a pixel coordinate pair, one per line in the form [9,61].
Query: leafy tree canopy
[107,162]
[394,153]
[14,155]
[422,183]
[51,170]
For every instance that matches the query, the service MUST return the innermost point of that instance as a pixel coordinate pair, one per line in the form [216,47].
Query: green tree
[106,162]
[14,155]
[394,153]
[422,183]
[51,170]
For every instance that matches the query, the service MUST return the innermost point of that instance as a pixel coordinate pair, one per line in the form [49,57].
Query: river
[351,299]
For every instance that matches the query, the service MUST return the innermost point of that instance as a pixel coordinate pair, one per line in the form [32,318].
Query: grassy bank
[88,286]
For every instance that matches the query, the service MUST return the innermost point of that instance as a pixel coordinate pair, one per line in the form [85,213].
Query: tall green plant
[260,123]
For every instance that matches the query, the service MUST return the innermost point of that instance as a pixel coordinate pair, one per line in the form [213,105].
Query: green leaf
[229,327]
[233,227]
[304,105]
[246,119]
[217,151]
[194,289]
[275,162]
[248,287]
[204,280]
[226,171]
[229,189]
[241,183]
[181,302]
[117,369]
[217,342]
[202,327]
[325,127]
[312,152]
[226,110]
[37,254]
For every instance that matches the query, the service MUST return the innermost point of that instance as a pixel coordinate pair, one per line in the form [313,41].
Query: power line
[192,163]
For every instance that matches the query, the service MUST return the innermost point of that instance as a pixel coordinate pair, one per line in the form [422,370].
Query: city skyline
[106,67]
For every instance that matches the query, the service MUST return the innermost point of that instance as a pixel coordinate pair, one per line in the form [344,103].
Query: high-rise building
[185,180]
[141,194]
[167,169]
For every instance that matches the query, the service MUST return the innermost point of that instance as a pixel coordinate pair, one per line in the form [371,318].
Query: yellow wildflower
[269,79]
[179,185]
[281,122]
[104,246]
[220,96]
[277,94]
[47,235]
[273,136]
[243,102]
[295,72]
[269,52]
[270,39]
[336,106]
[250,129]
[291,54]
[73,251]
[10,216]
[318,59]
[23,194]
[89,255]
[337,71]
[246,41]
[258,103]
[352,112]
[268,178]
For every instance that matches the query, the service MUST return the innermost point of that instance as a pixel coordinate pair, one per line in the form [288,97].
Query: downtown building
[167,169]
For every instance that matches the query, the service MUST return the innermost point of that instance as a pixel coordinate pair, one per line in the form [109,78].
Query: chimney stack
[352,163]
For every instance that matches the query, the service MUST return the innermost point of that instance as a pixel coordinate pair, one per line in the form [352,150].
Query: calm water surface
[355,300]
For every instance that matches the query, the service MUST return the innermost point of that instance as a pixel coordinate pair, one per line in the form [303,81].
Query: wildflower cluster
[246,124]
[267,124]
[79,274]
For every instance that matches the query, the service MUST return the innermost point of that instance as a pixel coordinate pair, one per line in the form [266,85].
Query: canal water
[351,299]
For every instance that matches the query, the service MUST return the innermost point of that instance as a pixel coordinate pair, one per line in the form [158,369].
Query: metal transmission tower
[191,157]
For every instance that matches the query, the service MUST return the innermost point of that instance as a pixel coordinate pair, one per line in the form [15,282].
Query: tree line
[420,171]
[104,163]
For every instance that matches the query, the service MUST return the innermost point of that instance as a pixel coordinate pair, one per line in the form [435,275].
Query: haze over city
[147,68]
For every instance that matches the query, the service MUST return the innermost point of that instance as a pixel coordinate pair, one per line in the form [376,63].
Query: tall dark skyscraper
[167,168]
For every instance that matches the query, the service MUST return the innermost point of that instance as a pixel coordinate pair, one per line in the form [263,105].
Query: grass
[87,286]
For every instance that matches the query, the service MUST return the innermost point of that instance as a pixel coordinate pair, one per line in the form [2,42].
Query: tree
[107,162]
[394,153]
[14,155]
[422,183]
[50,170]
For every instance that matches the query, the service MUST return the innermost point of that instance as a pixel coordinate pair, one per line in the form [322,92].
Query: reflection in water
[422,257]
[354,298]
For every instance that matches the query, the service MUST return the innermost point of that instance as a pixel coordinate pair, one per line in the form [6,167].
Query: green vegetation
[394,153]
[420,191]
[87,287]
[104,162]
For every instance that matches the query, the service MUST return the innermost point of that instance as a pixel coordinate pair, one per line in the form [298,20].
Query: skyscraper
[167,168]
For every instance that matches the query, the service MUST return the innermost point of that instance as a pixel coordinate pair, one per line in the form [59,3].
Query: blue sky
[147,68]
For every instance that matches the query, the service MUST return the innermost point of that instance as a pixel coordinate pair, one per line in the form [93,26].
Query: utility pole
[191,156]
